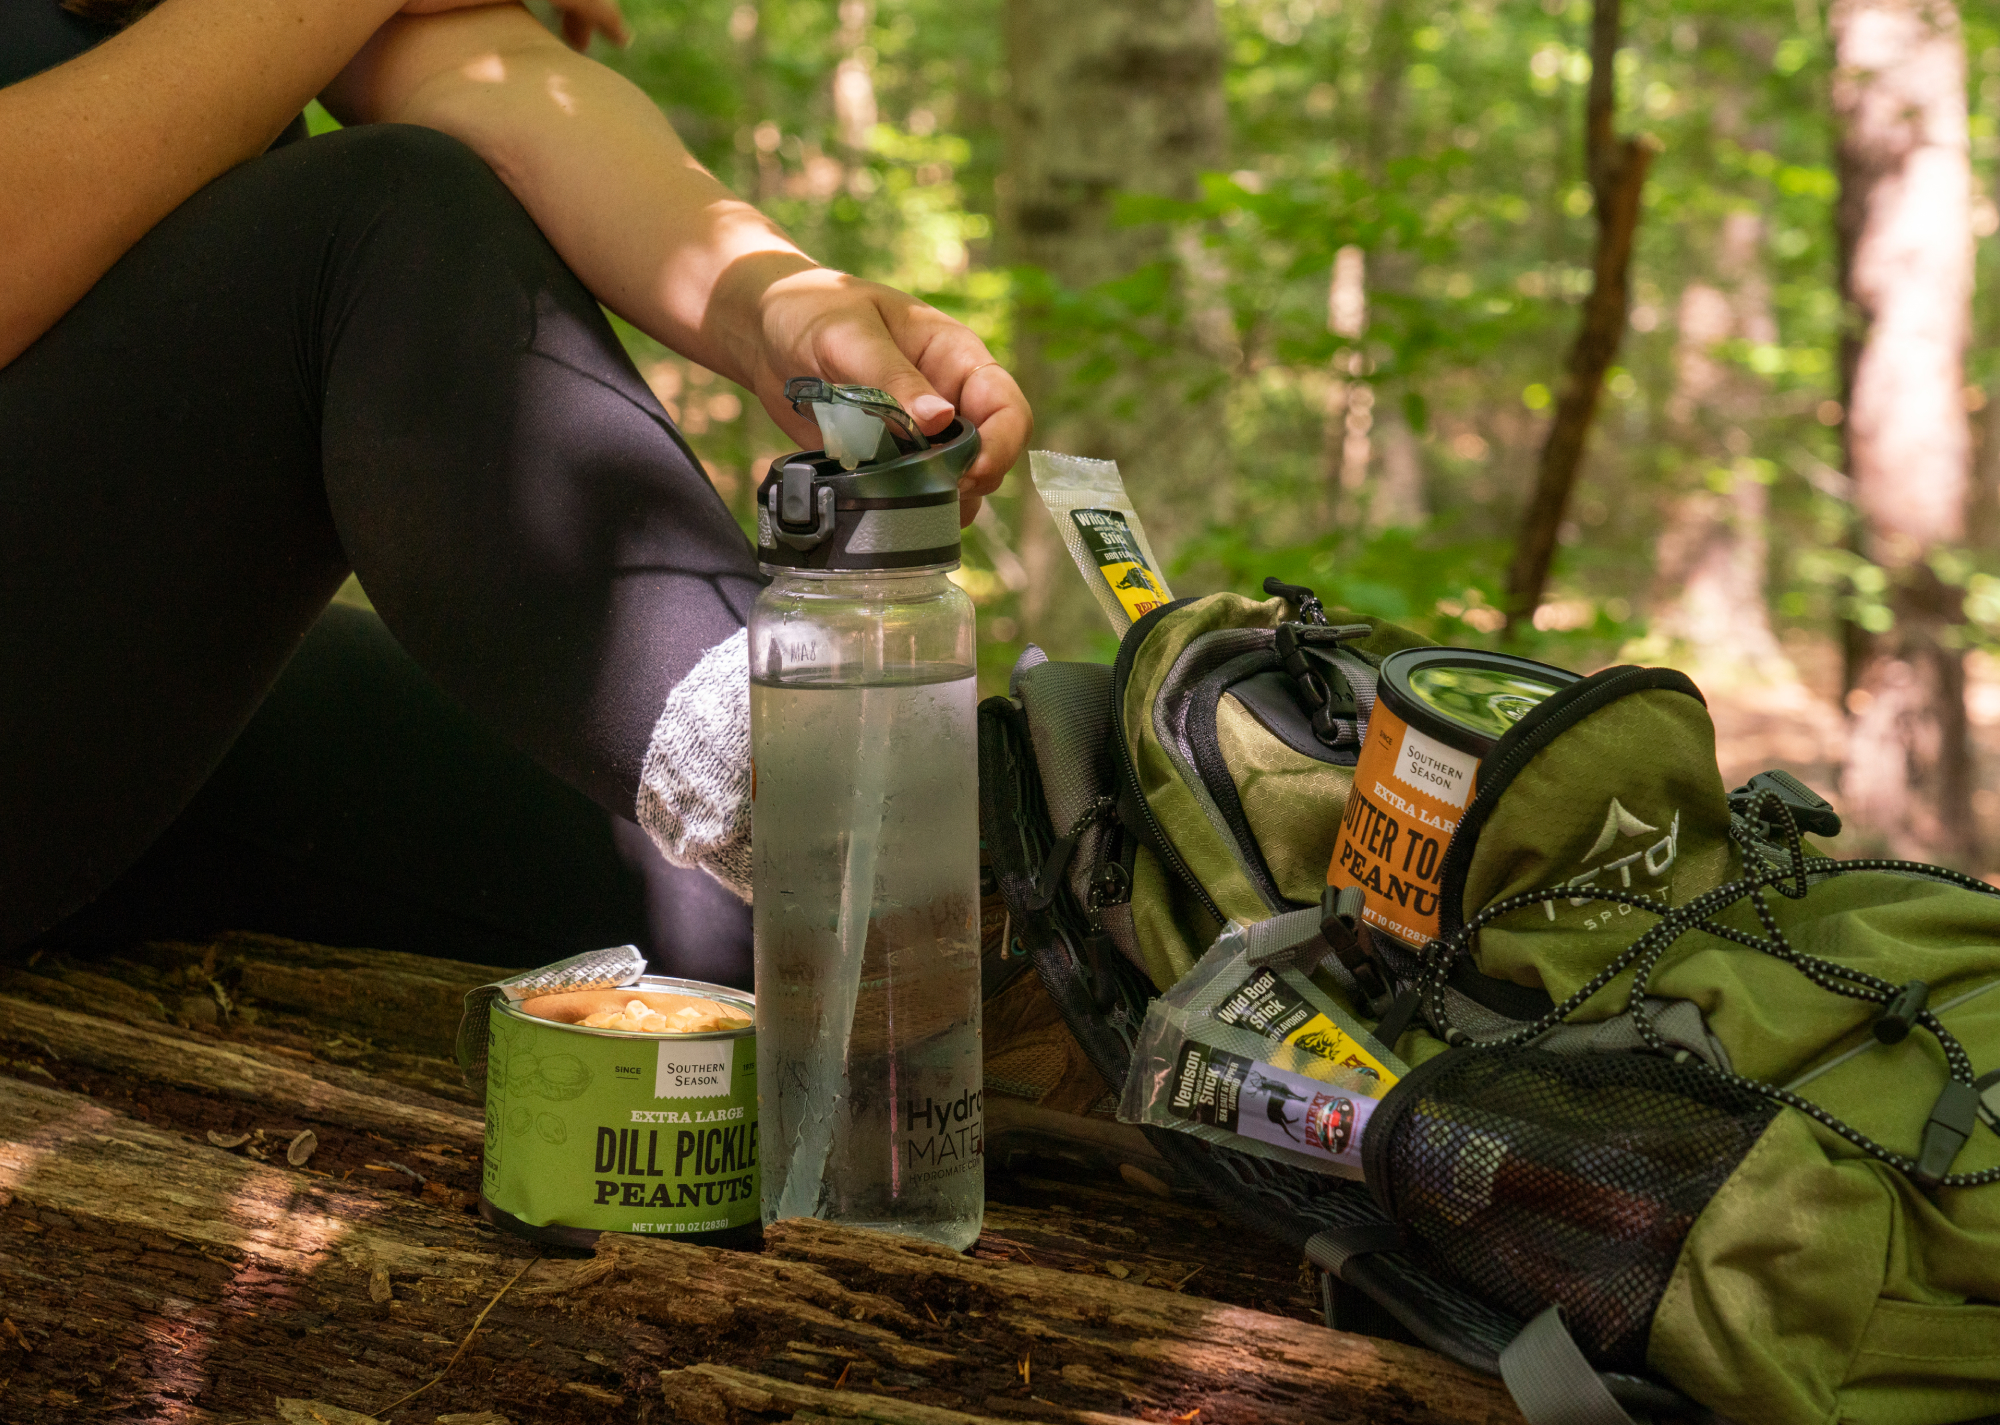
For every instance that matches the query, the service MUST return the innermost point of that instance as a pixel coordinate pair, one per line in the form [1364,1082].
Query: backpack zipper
[1541,726]
[1151,831]
[1205,751]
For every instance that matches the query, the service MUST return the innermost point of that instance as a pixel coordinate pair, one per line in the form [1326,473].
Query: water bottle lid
[898,511]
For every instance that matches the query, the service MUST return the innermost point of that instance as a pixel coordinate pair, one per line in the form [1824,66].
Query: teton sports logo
[1654,858]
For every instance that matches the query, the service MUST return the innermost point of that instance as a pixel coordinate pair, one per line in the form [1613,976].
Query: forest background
[1311,271]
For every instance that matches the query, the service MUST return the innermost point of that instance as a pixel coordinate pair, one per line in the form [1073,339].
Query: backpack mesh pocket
[1533,1179]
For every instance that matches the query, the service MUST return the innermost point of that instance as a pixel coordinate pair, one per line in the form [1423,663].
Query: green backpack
[1693,1128]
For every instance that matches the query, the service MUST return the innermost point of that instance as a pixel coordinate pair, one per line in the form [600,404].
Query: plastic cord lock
[1893,1024]
[1953,1118]
[1811,812]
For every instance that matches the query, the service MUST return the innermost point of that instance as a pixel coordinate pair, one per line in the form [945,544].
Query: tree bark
[1904,224]
[1617,169]
[1397,501]
[147,1274]
[1350,400]
[1709,604]
[1111,98]
[1354,428]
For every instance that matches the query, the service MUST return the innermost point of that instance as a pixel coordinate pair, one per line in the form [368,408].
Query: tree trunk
[854,110]
[746,28]
[1350,400]
[1352,419]
[1110,98]
[1904,224]
[1617,178]
[1709,598]
[1397,499]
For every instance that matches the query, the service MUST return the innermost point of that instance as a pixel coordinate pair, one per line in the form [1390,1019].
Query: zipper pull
[1048,884]
[1112,885]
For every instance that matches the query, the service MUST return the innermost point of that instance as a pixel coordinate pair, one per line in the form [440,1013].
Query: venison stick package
[1261,1059]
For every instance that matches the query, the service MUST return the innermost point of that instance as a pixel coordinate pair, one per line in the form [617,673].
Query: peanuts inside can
[632,1109]
[1438,712]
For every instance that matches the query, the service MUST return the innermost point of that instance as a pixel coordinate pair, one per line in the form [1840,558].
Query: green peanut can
[627,1109]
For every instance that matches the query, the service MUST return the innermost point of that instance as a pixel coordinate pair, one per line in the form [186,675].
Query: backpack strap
[1291,941]
[1550,1380]
[1331,1248]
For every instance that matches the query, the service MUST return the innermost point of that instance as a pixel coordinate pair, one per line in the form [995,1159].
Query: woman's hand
[816,322]
[580,18]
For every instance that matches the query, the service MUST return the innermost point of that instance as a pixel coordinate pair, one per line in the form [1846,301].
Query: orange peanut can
[1438,712]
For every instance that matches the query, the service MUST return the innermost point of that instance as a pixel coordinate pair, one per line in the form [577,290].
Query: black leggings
[354,352]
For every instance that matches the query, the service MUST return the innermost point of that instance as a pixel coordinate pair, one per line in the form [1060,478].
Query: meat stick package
[1101,529]
[1261,1059]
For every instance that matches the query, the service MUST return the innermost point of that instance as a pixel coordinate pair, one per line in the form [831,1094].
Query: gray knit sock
[694,787]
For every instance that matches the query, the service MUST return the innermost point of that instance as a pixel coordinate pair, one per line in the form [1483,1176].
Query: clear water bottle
[866,835]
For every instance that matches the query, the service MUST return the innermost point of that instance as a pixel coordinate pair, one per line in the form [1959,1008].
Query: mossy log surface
[149,1274]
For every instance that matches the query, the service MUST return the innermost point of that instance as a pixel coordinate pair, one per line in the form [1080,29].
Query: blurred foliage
[1443,138]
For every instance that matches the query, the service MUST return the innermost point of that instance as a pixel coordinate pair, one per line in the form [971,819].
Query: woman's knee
[412,169]
[416,222]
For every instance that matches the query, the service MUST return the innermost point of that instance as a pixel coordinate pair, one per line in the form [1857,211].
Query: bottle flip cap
[880,495]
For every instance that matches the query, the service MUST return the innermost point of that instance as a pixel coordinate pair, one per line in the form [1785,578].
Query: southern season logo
[1654,859]
[698,1070]
[1431,767]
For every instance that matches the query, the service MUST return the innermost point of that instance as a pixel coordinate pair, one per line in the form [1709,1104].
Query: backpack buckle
[1292,642]
[1353,944]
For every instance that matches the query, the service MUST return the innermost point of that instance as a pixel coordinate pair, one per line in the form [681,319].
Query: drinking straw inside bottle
[826,1068]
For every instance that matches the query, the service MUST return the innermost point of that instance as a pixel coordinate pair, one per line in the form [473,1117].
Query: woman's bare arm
[659,240]
[94,152]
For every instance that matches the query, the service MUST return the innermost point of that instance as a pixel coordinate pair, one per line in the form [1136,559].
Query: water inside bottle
[867,850]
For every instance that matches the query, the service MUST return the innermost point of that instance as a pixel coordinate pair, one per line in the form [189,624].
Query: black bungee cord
[1952,1119]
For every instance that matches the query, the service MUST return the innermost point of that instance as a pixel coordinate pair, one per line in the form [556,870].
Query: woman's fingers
[855,346]
[583,18]
[580,18]
[843,330]
[985,393]
[992,400]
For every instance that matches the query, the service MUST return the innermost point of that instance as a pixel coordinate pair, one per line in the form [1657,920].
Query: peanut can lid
[1478,696]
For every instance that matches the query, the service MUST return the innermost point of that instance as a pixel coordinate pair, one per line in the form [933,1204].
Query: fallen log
[150,1277]
[147,1274]
[327,1092]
